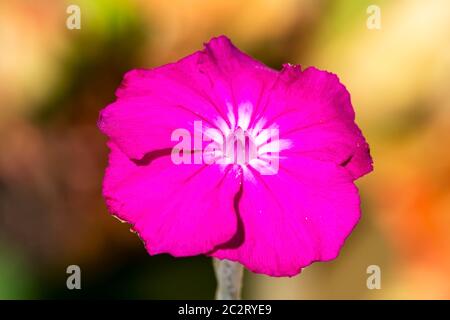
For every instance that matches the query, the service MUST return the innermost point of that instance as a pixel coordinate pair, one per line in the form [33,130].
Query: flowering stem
[229,279]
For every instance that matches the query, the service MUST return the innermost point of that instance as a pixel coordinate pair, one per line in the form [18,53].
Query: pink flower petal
[273,224]
[204,86]
[238,78]
[178,209]
[289,220]
[313,110]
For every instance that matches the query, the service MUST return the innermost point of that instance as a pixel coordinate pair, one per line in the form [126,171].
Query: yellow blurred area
[53,82]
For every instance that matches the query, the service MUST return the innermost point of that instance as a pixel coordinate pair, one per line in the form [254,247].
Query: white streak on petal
[231,116]
[258,126]
[275,146]
[262,166]
[214,135]
[222,126]
[248,174]
[244,115]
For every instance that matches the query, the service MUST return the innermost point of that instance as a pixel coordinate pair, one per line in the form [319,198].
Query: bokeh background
[54,81]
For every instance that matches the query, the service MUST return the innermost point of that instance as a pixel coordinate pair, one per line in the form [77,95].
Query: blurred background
[54,81]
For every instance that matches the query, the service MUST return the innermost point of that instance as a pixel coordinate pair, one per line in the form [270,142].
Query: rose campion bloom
[274,222]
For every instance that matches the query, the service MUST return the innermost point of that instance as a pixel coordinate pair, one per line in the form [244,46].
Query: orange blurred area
[54,81]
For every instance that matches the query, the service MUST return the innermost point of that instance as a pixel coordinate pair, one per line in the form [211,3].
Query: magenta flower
[289,204]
